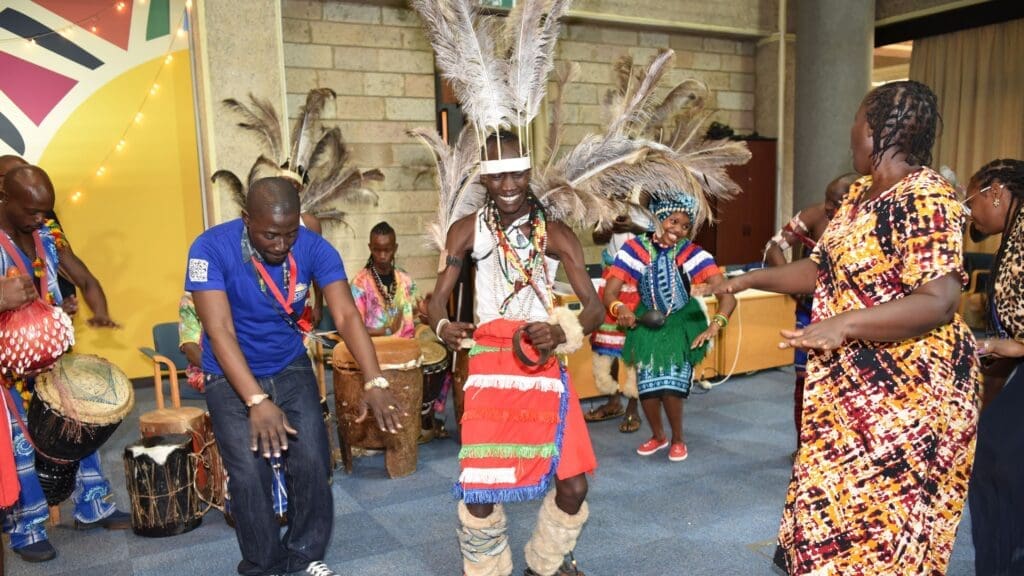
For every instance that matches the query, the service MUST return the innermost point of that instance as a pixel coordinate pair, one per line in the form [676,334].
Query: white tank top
[492,286]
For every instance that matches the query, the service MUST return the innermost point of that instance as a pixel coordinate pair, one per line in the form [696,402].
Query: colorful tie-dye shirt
[371,303]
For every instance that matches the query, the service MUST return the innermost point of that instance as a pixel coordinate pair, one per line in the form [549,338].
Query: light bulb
[76,196]
[101,170]
[168,59]
[138,117]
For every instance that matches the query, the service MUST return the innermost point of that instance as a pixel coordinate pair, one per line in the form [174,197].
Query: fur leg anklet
[554,537]
[484,544]
[566,320]
[603,380]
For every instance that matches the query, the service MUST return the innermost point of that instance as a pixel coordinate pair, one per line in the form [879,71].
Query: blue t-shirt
[267,340]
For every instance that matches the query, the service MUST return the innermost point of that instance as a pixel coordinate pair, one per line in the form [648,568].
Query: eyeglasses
[967,209]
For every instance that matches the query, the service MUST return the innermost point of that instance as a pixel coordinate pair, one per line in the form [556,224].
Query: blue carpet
[716,513]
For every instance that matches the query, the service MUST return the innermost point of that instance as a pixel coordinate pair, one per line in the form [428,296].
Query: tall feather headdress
[316,160]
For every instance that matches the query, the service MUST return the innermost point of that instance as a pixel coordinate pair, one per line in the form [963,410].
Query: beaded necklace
[669,253]
[386,292]
[517,273]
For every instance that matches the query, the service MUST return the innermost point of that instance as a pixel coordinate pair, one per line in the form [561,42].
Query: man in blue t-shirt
[249,278]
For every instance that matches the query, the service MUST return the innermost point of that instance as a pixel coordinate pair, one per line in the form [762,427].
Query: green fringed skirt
[662,356]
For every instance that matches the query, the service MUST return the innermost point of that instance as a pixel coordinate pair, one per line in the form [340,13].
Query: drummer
[386,296]
[27,195]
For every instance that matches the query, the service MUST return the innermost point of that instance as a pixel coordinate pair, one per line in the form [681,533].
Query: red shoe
[652,446]
[677,453]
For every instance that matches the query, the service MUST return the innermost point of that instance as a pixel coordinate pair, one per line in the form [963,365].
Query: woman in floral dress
[890,406]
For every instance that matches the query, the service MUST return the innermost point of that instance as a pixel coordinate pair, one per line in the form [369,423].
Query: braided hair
[1010,173]
[903,116]
[379,229]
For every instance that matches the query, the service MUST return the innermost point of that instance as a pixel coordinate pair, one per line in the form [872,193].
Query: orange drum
[399,359]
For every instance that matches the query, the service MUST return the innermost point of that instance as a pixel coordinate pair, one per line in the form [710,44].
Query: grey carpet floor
[714,514]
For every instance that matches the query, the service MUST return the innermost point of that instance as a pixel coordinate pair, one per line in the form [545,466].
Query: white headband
[505,165]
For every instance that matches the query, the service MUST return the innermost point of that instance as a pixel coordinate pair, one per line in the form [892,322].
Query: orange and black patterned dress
[888,430]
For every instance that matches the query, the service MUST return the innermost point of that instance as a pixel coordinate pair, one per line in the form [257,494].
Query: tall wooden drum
[399,359]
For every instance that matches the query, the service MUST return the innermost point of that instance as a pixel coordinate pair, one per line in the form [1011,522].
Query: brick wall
[378,61]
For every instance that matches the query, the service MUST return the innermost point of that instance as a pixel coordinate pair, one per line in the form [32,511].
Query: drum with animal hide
[399,359]
[78,403]
[159,472]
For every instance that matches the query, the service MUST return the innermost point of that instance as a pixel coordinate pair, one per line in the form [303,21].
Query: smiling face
[675,228]
[508,190]
[382,251]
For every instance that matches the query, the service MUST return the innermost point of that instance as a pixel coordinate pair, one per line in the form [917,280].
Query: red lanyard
[292,274]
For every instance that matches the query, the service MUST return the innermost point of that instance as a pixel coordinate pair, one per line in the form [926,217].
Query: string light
[67,31]
[79,194]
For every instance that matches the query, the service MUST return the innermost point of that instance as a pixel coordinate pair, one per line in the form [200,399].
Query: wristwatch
[256,399]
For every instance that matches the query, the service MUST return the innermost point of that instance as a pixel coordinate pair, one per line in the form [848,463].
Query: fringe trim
[488,475]
[521,383]
[570,324]
[508,451]
[504,415]
[472,496]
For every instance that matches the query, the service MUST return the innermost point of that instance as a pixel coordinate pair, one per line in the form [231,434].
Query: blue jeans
[306,466]
[26,522]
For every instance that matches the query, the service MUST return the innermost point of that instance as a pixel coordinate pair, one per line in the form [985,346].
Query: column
[834,44]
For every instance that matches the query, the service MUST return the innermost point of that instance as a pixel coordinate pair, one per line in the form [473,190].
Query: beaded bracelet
[721,319]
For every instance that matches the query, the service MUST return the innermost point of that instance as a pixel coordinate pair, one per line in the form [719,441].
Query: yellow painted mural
[118,138]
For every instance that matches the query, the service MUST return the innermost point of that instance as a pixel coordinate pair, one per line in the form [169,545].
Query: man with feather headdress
[511,214]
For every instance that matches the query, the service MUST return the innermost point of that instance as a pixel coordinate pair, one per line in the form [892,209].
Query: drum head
[433,353]
[392,354]
[86,388]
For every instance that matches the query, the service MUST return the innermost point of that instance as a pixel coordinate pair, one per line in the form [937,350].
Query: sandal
[603,412]
[630,424]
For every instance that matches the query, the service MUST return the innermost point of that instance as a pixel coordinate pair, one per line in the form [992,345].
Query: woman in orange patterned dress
[891,400]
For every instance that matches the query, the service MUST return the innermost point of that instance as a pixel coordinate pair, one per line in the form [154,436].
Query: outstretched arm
[79,274]
[350,325]
[794,278]
[932,305]
[268,426]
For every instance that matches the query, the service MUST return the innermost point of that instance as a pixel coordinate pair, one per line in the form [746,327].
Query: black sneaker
[37,552]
